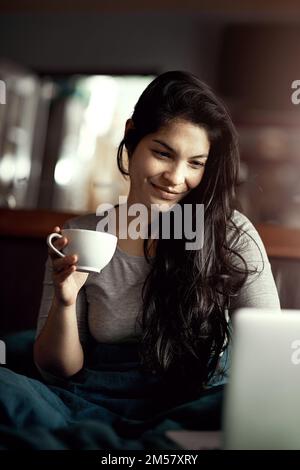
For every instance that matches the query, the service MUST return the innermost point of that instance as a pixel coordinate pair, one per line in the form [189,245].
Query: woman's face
[166,165]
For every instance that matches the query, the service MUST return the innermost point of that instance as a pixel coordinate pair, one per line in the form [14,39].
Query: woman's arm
[260,290]
[57,348]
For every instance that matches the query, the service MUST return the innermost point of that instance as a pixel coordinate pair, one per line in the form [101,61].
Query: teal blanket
[110,404]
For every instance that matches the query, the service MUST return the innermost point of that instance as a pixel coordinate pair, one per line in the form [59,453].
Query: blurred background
[71,72]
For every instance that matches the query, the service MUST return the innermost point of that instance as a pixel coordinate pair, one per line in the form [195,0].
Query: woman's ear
[128,129]
[129,125]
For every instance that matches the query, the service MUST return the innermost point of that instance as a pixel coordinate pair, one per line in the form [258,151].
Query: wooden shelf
[30,223]
[280,242]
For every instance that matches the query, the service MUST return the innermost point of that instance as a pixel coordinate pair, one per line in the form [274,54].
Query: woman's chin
[161,205]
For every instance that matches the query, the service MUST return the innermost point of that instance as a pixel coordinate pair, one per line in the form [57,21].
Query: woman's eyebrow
[172,150]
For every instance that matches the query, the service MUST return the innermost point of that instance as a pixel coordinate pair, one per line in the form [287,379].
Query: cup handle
[49,243]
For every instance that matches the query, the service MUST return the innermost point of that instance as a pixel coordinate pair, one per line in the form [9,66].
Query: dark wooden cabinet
[23,254]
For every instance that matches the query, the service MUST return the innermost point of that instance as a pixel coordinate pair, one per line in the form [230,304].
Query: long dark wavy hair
[187,292]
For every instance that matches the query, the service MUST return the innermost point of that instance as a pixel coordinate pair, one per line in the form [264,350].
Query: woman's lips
[164,194]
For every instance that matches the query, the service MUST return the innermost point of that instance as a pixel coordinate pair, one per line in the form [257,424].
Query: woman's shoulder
[241,225]
[85,221]
[241,233]
[239,220]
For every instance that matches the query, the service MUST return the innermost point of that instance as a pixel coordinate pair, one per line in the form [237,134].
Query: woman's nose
[176,174]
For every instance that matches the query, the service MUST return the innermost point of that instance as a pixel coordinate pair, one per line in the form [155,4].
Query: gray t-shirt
[109,303]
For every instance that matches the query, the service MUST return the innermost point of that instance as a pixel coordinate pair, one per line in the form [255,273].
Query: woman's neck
[132,246]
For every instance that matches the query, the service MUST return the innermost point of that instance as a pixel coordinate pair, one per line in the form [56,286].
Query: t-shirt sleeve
[47,297]
[259,290]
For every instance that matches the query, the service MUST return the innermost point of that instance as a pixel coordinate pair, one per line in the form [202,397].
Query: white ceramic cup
[94,249]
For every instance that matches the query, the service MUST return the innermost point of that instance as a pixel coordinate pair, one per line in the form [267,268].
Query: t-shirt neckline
[122,252]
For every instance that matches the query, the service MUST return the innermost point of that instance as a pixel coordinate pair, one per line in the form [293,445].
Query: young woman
[174,303]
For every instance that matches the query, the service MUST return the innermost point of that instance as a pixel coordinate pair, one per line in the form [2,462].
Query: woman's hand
[67,282]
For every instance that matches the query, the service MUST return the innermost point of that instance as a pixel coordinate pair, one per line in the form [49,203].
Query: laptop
[262,398]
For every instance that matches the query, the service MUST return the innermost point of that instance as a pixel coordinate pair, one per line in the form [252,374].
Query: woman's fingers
[62,276]
[59,244]
[61,264]
[62,267]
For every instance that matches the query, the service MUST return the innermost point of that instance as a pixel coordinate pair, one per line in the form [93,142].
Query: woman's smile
[164,194]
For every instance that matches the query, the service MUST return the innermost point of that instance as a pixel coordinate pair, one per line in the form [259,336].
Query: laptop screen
[262,398]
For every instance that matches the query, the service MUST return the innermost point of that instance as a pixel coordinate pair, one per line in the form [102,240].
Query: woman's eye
[167,155]
[198,164]
[161,154]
